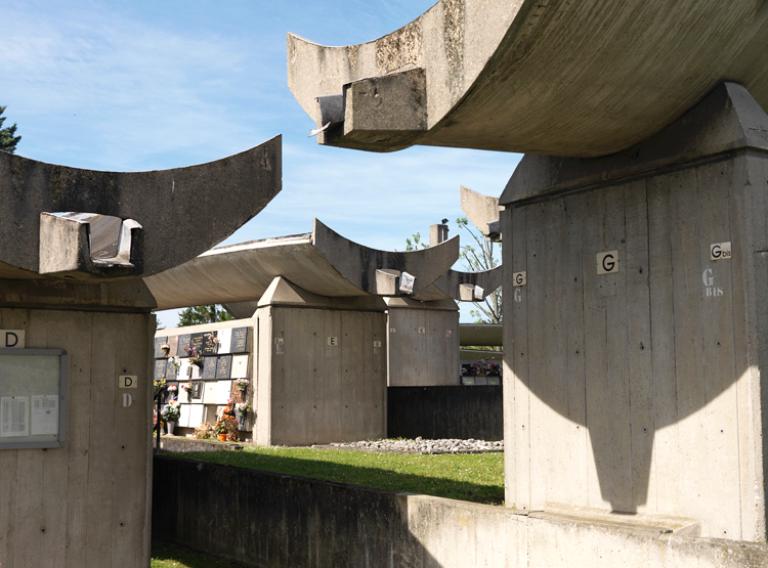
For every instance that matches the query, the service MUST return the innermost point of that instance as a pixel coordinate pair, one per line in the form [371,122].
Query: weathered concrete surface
[273,520]
[86,504]
[463,286]
[181,210]
[482,211]
[639,391]
[322,262]
[564,78]
[423,343]
[363,266]
[320,369]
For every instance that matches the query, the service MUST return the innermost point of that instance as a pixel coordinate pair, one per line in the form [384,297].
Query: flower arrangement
[173,368]
[205,432]
[242,384]
[187,387]
[158,385]
[173,389]
[171,412]
[195,357]
[242,410]
[165,348]
[212,340]
[226,429]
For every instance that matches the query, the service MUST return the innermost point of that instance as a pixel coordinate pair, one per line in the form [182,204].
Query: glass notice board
[32,398]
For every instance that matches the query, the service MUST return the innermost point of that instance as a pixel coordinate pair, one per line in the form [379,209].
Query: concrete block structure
[321,370]
[423,343]
[314,303]
[639,338]
[75,450]
[634,239]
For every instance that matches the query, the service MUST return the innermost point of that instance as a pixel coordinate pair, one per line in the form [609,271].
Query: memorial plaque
[239,342]
[225,341]
[160,365]
[217,392]
[171,371]
[196,341]
[191,415]
[210,344]
[209,368]
[224,367]
[181,347]
[197,390]
[160,341]
[240,367]
[185,370]
[173,343]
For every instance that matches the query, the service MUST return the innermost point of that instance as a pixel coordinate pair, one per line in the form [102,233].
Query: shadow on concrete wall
[272,520]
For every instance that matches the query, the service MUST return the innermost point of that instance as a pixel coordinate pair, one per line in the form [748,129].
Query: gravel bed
[422,446]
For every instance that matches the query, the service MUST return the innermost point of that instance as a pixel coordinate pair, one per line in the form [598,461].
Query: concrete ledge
[266,519]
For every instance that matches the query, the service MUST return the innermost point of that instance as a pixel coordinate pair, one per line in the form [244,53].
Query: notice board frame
[63,399]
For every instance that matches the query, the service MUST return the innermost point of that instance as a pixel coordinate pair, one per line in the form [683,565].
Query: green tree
[203,314]
[479,255]
[414,242]
[8,138]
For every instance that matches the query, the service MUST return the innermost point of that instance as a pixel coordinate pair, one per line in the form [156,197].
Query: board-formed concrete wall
[85,504]
[454,411]
[423,343]
[271,520]
[320,374]
[633,385]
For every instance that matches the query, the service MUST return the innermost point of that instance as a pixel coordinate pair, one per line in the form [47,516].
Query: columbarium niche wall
[205,366]
[636,345]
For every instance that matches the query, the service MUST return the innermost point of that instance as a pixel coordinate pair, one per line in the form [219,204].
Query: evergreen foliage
[203,314]
[8,138]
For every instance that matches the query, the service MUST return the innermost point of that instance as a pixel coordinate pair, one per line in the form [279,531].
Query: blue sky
[156,84]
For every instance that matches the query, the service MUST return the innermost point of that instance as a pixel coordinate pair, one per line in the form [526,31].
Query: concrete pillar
[320,369]
[75,385]
[637,340]
[85,503]
[438,233]
[423,343]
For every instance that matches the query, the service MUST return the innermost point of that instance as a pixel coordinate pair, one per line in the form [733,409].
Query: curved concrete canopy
[321,262]
[482,211]
[182,211]
[377,271]
[583,78]
[463,286]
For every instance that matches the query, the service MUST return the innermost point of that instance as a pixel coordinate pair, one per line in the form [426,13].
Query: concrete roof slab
[584,79]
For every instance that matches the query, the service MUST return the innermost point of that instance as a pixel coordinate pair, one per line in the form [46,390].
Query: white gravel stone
[422,446]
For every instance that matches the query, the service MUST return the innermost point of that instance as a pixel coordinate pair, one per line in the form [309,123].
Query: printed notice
[45,415]
[14,414]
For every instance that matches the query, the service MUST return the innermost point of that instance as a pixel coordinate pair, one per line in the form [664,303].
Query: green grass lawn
[166,555]
[470,477]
